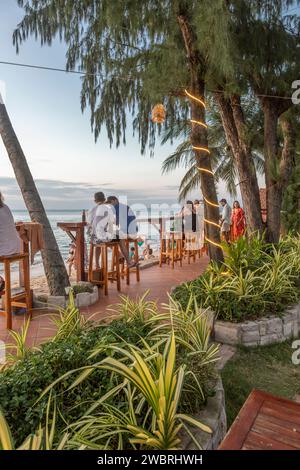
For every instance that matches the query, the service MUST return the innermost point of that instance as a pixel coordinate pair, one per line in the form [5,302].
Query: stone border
[214,416]
[82,299]
[266,330]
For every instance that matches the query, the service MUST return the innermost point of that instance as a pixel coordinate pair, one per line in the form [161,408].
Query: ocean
[147,231]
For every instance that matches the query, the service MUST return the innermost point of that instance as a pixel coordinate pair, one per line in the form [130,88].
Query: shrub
[256,279]
[81,288]
[22,385]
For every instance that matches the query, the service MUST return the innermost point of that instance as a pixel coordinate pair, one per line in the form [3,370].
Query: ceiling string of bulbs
[158,116]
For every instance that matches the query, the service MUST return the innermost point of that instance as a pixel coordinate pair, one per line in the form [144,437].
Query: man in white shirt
[225,221]
[101,222]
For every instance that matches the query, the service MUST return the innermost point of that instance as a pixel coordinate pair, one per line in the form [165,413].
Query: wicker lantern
[158,113]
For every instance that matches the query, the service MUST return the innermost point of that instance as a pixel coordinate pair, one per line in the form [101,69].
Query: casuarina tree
[266,35]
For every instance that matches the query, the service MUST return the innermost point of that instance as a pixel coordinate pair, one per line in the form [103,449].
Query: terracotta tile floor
[158,280]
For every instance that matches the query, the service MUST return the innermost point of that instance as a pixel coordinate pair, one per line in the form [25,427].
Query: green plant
[19,346]
[244,253]
[81,288]
[69,320]
[129,310]
[192,328]
[42,439]
[152,381]
[6,440]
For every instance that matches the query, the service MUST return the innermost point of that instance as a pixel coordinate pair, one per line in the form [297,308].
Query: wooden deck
[158,280]
[265,422]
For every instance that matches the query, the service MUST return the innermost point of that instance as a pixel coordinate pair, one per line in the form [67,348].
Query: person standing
[225,220]
[189,218]
[238,221]
[199,209]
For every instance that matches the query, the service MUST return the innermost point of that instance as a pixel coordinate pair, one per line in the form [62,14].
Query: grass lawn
[267,368]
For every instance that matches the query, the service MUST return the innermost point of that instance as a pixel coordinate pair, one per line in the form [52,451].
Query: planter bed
[214,415]
[82,299]
[265,330]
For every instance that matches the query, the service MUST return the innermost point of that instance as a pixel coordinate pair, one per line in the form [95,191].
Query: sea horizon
[71,215]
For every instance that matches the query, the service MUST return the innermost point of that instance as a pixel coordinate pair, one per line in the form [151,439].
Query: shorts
[225,227]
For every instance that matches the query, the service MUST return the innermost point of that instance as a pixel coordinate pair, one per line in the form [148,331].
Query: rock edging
[266,330]
[214,416]
[82,299]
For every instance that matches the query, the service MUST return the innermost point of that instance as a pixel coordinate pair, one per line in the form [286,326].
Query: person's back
[100,220]
[104,223]
[126,220]
[9,239]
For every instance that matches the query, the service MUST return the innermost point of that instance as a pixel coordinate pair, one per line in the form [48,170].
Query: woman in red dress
[238,221]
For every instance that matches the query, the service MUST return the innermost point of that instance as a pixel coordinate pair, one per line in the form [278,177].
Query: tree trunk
[278,164]
[234,127]
[199,138]
[54,266]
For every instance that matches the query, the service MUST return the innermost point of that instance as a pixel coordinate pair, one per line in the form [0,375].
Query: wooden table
[265,422]
[75,230]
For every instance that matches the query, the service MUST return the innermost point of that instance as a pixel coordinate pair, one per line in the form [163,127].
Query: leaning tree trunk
[278,164]
[234,127]
[54,266]
[199,139]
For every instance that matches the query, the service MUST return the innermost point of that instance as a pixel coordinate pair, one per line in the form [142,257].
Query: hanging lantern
[158,113]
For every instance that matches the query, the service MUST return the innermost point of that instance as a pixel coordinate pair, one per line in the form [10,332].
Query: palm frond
[182,157]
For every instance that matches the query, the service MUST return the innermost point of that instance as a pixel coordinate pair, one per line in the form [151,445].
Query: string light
[213,243]
[211,223]
[200,123]
[203,149]
[210,203]
[195,98]
[205,170]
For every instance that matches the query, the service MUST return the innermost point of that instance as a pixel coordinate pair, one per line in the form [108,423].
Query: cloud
[57,194]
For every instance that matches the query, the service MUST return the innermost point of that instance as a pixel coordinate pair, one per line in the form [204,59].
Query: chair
[21,298]
[171,248]
[105,274]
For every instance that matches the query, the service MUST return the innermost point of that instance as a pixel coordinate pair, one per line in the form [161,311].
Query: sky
[66,163]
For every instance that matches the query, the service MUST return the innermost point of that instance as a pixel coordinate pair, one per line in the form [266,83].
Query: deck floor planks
[265,422]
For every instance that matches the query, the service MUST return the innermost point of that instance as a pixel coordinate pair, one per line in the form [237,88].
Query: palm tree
[54,266]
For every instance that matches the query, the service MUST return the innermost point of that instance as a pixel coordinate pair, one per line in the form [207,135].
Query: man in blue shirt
[125,218]
[126,223]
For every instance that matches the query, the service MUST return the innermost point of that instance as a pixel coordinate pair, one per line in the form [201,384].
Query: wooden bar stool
[105,274]
[191,246]
[21,299]
[171,248]
[136,269]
